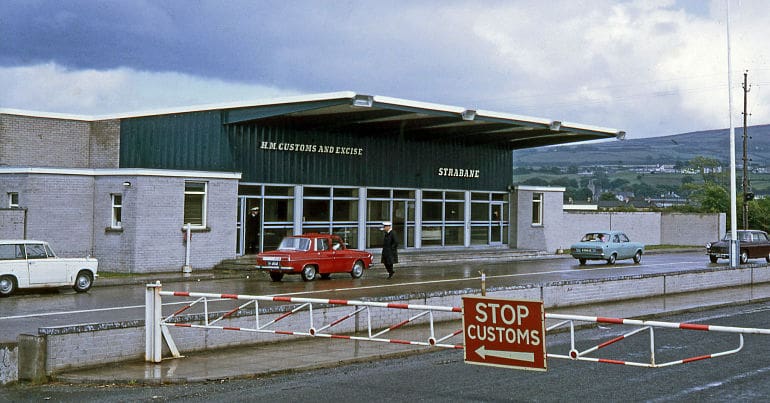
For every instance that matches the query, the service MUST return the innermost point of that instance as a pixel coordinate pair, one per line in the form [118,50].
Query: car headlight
[708,245]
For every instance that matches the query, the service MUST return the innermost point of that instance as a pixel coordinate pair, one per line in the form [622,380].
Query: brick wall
[73,212]
[562,228]
[11,223]
[159,201]
[528,236]
[692,229]
[105,144]
[44,142]
[59,211]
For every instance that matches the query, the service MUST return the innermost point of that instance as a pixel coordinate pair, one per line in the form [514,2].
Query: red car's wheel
[358,270]
[309,273]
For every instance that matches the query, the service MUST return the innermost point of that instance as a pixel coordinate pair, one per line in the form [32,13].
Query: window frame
[537,209]
[203,202]
[11,202]
[116,217]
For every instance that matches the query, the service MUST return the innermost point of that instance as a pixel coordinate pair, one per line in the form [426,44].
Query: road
[27,311]
[441,376]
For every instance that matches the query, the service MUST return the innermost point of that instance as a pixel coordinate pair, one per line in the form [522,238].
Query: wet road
[27,311]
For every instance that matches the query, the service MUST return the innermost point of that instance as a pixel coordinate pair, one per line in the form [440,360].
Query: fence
[427,315]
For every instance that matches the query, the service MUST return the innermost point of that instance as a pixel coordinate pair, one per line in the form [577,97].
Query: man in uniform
[389,248]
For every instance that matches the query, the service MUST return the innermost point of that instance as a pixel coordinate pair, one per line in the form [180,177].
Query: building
[126,188]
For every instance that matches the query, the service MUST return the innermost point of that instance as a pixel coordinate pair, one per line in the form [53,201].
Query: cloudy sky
[651,68]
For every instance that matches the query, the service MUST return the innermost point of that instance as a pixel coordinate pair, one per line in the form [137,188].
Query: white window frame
[117,211]
[204,199]
[537,208]
[11,202]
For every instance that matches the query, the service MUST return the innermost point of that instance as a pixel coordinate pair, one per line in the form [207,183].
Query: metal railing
[642,325]
[157,327]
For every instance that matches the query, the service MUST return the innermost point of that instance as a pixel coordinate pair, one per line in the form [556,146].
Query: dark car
[753,244]
[310,255]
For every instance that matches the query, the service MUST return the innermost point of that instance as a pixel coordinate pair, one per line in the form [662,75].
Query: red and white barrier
[157,327]
[644,325]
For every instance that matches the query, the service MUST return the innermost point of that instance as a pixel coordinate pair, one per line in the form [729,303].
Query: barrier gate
[156,326]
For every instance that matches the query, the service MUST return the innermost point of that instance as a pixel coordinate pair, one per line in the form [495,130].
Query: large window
[117,212]
[195,204]
[537,209]
[443,218]
[345,215]
[489,218]
[396,205]
[277,215]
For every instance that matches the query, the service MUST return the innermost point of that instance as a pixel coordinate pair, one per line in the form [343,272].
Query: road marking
[34,315]
[582,270]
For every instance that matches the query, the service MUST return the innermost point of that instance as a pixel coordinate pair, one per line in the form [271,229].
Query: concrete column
[32,358]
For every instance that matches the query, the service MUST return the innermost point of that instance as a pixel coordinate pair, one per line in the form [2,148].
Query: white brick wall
[561,228]
[56,142]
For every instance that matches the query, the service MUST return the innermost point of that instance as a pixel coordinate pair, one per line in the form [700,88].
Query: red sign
[504,333]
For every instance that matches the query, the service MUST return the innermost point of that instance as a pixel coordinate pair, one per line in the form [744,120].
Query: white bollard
[152,332]
[187,269]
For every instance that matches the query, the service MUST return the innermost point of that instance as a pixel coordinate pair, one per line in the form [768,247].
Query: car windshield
[595,237]
[294,244]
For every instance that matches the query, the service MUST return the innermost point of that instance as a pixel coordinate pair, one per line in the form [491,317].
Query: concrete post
[32,358]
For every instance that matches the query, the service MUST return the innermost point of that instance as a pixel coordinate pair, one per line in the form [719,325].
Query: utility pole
[747,195]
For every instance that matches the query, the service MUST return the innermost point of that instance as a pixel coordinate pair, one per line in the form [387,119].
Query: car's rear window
[302,244]
[595,237]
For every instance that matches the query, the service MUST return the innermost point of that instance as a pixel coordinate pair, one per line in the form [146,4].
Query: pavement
[306,353]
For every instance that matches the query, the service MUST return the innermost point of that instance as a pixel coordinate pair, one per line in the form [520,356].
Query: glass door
[496,223]
[403,222]
[249,226]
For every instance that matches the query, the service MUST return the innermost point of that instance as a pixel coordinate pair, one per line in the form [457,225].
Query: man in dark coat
[389,248]
[252,231]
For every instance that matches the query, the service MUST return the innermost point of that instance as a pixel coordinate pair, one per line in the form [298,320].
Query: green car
[609,246]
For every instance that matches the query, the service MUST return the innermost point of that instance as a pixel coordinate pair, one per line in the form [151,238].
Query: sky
[649,68]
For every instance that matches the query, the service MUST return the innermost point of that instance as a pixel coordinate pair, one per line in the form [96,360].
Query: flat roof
[374,114]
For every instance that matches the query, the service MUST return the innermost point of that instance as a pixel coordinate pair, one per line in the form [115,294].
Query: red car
[310,255]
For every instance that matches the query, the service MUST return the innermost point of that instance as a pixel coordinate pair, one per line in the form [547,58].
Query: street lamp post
[733,187]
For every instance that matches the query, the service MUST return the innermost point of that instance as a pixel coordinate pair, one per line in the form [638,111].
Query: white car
[32,264]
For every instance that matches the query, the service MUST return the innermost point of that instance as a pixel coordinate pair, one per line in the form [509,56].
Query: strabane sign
[504,333]
[458,172]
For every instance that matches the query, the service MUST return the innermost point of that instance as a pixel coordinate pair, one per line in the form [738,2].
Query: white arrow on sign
[511,355]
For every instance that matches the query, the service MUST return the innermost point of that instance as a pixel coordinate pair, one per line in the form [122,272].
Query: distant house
[617,204]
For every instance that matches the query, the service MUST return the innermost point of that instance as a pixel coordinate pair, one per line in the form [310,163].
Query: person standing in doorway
[389,248]
[252,231]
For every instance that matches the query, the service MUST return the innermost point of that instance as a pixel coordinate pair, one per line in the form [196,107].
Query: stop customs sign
[504,333]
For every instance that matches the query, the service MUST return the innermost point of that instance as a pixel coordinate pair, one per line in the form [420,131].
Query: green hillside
[655,150]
